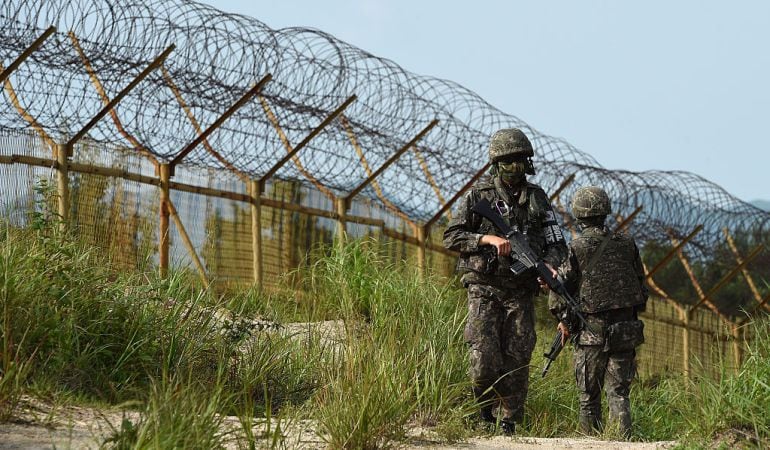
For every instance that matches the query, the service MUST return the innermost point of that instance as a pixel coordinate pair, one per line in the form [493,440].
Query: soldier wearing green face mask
[500,327]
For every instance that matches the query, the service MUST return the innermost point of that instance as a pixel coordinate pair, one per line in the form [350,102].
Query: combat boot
[623,424]
[485,415]
[590,424]
[508,428]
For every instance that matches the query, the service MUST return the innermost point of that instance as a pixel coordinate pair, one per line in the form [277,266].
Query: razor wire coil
[219,56]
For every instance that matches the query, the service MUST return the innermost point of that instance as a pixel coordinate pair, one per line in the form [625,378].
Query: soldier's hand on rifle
[501,244]
[541,281]
[564,332]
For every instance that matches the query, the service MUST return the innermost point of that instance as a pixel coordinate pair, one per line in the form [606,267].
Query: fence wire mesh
[121,217]
[102,46]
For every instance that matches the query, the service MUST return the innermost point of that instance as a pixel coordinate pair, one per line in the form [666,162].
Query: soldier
[500,326]
[604,271]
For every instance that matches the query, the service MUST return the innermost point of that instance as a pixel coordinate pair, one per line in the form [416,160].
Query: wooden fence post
[737,348]
[256,229]
[165,196]
[341,207]
[63,152]
[422,232]
[686,342]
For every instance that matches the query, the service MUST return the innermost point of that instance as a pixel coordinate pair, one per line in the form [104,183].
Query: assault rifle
[524,258]
[556,347]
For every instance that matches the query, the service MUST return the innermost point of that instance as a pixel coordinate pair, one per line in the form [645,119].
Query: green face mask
[513,172]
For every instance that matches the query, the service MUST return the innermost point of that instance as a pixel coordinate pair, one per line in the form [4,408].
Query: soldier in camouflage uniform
[604,271]
[500,326]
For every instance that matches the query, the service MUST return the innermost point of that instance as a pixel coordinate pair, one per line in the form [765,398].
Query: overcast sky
[667,85]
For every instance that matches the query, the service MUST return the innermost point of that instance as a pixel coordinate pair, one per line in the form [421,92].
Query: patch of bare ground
[43,426]
[522,443]
[736,438]
[40,425]
[421,439]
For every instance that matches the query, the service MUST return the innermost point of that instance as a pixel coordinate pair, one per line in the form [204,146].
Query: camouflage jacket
[529,210]
[612,280]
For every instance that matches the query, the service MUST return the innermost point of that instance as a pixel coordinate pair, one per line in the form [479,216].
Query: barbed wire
[219,56]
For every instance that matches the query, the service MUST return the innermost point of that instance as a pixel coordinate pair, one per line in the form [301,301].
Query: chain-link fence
[119,211]
[247,146]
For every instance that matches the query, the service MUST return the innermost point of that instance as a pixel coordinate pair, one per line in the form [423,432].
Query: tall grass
[14,364]
[730,409]
[405,356]
[736,403]
[367,401]
[96,331]
[72,324]
[176,415]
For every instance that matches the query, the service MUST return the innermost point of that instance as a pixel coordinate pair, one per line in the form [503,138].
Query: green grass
[176,415]
[74,328]
[405,358]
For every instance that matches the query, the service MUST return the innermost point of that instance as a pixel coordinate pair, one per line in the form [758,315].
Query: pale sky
[653,85]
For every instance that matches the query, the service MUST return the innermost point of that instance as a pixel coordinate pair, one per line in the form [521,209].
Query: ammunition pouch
[624,336]
[483,262]
[591,336]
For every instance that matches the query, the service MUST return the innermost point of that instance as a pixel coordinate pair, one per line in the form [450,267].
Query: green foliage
[405,356]
[14,364]
[72,324]
[368,401]
[274,371]
[91,330]
[659,407]
[552,406]
[737,401]
[672,277]
[698,412]
[43,216]
[178,415]
[735,297]
[123,438]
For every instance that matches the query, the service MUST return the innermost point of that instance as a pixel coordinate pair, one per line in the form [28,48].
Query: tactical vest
[528,217]
[612,281]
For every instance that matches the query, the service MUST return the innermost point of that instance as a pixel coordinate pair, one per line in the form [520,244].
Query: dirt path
[523,443]
[89,436]
[42,426]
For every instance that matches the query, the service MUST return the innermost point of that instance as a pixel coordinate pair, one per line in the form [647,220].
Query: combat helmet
[509,142]
[590,201]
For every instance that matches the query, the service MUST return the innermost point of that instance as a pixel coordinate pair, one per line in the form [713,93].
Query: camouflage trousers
[596,368]
[501,334]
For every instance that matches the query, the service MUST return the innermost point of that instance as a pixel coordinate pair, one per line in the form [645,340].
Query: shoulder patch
[535,187]
[536,190]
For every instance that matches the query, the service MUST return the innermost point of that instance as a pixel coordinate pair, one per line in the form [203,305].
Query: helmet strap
[530,169]
[591,221]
